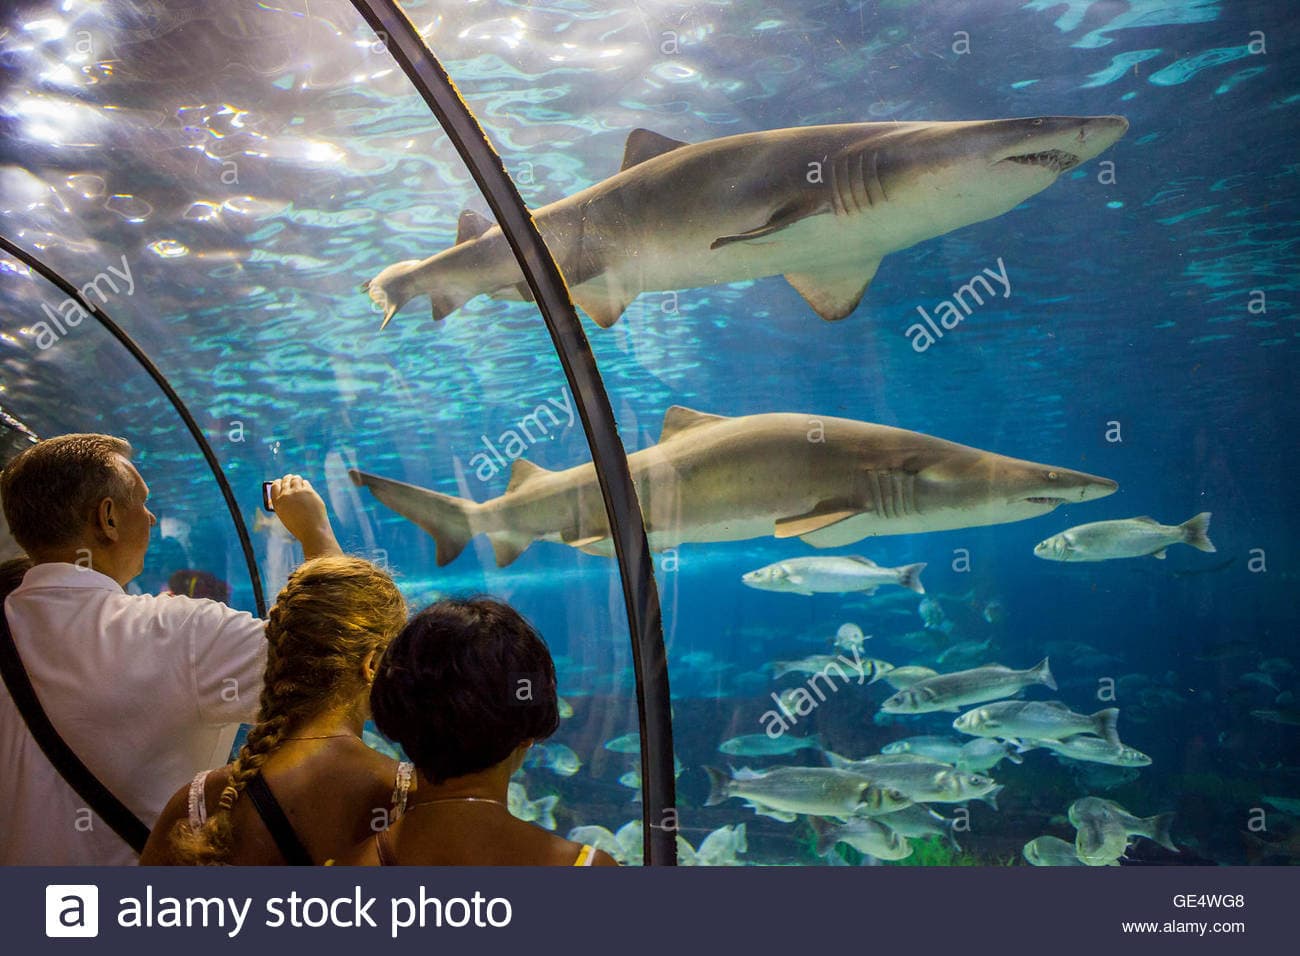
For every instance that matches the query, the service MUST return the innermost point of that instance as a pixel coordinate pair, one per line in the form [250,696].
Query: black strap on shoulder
[272,814]
[77,775]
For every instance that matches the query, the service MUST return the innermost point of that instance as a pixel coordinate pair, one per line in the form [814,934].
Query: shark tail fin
[1158,829]
[444,517]
[1196,532]
[1043,674]
[719,786]
[1107,724]
[909,576]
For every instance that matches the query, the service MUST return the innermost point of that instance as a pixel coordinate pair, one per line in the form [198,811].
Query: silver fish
[1018,721]
[762,745]
[947,749]
[1127,538]
[1104,828]
[869,835]
[1051,851]
[955,690]
[784,792]
[832,575]
[901,678]
[1095,750]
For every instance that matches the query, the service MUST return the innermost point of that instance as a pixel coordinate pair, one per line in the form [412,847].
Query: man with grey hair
[146,690]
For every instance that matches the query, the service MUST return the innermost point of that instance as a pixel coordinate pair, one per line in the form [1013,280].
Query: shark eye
[1052,476]
[1037,122]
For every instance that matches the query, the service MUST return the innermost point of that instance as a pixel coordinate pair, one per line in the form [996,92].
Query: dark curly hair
[464,684]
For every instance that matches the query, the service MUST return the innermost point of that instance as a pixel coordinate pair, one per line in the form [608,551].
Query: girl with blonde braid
[304,787]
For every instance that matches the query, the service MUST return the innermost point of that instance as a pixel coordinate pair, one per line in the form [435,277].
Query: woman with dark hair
[304,787]
[466,688]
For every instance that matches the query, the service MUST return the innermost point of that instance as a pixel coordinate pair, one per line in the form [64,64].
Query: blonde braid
[331,614]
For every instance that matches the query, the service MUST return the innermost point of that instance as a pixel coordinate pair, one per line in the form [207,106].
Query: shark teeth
[1054,159]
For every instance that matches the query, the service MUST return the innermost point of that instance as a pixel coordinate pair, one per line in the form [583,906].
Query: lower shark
[821,205]
[827,481]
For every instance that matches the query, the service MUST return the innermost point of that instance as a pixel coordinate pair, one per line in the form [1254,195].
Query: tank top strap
[585,855]
[198,804]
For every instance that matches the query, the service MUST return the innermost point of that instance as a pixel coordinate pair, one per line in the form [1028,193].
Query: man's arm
[303,512]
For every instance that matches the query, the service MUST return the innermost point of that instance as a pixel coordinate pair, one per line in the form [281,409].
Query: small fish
[598,837]
[1126,538]
[920,821]
[850,638]
[761,745]
[932,614]
[1091,749]
[1289,805]
[956,690]
[1051,851]
[1289,717]
[1104,828]
[557,758]
[947,749]
[901,678]
[964,651]
[722,846]
[859,668]
[922,780]
[1036,720]
[626,744]
[1225,650]
[541,811]
[564,708]
[783,792]
[1276,665]
[867,835]
[994,612]
[631,843]
[837,574]
[1262,679]
[985,753]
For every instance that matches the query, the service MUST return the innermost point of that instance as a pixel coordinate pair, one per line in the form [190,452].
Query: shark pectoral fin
[604,306]
[598,544]
[643,144]
[815,520]
[783,218]
[679,418]
[523,471]
[1161,554]
[471,225]
[834,294]
[507,546]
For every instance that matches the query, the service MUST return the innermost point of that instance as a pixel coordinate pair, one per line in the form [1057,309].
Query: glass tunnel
[937,363]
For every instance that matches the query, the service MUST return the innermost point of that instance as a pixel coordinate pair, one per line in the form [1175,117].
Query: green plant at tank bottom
[937,851]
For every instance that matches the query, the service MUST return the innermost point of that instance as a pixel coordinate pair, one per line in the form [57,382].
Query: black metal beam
[640,594]
[71,291]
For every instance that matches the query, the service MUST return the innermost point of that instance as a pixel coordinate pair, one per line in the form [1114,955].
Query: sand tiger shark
[827,481]
[820,205]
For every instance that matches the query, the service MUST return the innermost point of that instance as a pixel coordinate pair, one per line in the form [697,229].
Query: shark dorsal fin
[643,144]
[521,472]
[833,295]
[679,418]
[471,225]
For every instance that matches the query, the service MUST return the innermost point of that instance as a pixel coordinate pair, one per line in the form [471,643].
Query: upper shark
[827,481]
[820,205]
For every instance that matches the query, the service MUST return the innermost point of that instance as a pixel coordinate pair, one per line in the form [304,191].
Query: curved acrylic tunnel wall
[222,221]
[1124,313]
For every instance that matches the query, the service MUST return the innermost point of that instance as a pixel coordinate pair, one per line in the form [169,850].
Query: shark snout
[1058,143]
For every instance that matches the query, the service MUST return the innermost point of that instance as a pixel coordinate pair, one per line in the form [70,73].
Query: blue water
[253,166]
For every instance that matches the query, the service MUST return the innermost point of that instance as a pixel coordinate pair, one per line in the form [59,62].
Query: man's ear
[106,519]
